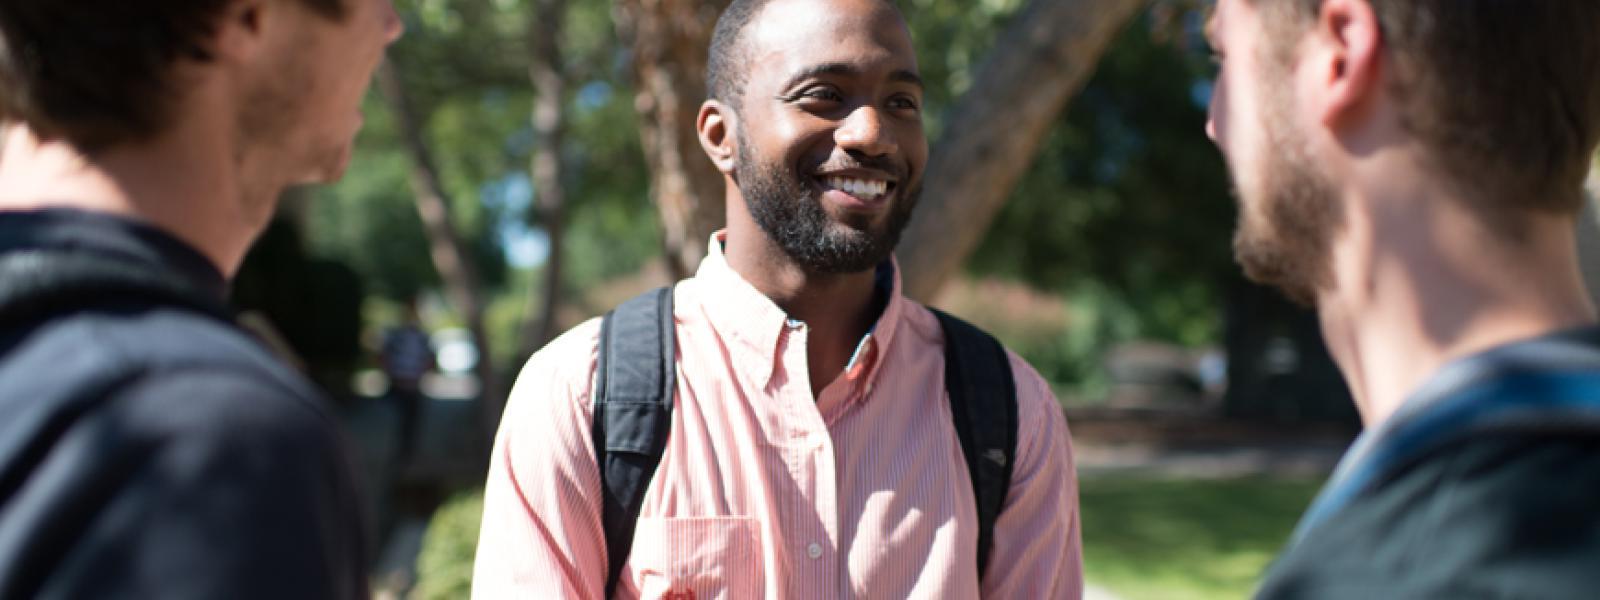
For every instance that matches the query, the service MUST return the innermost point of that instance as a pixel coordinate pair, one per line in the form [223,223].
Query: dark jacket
[1486,484]
[149,447]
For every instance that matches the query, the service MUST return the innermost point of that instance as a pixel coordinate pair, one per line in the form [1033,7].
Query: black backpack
[636,382]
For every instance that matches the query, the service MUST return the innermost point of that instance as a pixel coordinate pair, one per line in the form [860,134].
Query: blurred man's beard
[1287,242]
[277,120]
[789,210]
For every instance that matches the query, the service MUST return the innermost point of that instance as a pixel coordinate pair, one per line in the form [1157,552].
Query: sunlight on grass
[1178,539]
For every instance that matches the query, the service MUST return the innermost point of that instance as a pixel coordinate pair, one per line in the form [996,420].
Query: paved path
[1094,592]
[1209,461]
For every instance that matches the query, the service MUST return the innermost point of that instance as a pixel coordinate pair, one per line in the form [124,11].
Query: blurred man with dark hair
[1414,169]
[786,423]
[149,447]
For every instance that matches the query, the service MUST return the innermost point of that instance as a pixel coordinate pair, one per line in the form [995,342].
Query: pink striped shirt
[767,492]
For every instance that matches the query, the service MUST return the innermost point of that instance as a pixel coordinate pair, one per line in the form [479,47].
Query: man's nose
[863,131]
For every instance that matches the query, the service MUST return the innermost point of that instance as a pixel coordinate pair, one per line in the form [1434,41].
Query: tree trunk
[547,169]
[444,244]
[1045,56]
[669,40]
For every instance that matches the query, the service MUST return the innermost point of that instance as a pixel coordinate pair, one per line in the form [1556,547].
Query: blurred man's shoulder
[102,351]
[1501,509]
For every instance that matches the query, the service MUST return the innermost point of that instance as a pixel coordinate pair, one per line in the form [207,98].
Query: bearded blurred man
[1414,169]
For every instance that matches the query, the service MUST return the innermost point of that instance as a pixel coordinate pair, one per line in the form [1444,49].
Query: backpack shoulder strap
[633,393]
[983,404]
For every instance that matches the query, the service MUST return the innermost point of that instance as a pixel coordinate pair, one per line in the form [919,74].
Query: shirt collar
[741,313]
[71,230]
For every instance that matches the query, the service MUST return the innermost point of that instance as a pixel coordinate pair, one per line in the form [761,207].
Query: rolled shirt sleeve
[541,535]
[1038,548]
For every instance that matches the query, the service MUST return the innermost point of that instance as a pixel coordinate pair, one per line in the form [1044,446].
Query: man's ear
[1347,58]
[241,31]
[715,127]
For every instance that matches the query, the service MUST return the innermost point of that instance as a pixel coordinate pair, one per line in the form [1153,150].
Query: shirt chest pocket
[708,558]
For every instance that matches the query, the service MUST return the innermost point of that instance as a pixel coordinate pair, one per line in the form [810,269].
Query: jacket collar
[77,231]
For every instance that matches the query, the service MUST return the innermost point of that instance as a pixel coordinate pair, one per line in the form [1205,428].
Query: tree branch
[546,169]
[669,40]
[449,254]
[1044,58]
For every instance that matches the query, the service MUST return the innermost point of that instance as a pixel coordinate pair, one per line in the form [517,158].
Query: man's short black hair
[725,68]
[726,71]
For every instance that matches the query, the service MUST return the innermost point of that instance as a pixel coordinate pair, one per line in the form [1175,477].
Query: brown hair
[1506,93]
[96,73]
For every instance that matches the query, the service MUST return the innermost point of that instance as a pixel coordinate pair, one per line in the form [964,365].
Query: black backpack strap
[37,284]
[632,413]
[983,404]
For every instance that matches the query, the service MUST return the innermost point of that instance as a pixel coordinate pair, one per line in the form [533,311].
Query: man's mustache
[870,163]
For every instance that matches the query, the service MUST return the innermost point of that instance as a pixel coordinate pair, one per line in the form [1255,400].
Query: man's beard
[273,121]
[790,211]
[1290,245]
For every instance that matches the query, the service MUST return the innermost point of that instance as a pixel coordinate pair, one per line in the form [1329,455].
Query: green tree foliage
[444,567]
[465,64]
[1128,202]
[951,38]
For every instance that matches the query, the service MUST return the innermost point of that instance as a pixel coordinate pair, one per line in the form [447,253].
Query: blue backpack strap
[1545,401]
[983,405]
[632,413]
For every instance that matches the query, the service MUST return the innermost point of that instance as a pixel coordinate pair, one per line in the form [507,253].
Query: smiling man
[786,424]
[149,446]
[1414,169]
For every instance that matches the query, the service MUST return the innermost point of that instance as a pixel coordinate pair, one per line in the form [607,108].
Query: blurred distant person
[407,356]
[1413,169]
[149,447]
[786,424]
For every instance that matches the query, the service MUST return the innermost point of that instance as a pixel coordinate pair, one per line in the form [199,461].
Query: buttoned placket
[817,552]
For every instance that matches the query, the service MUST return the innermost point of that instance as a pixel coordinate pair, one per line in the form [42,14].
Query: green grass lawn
[1143,537]
[1177,539]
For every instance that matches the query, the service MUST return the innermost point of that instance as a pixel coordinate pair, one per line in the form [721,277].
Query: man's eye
[903,103]
[823,94]
[1216,58]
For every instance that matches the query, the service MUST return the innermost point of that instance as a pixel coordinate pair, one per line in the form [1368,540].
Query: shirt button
[814,551]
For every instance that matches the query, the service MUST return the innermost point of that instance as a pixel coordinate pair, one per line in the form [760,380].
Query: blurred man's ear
[1345,51]
[240,31]
[715,127]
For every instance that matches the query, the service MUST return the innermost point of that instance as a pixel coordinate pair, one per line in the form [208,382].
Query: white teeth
[860,188]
